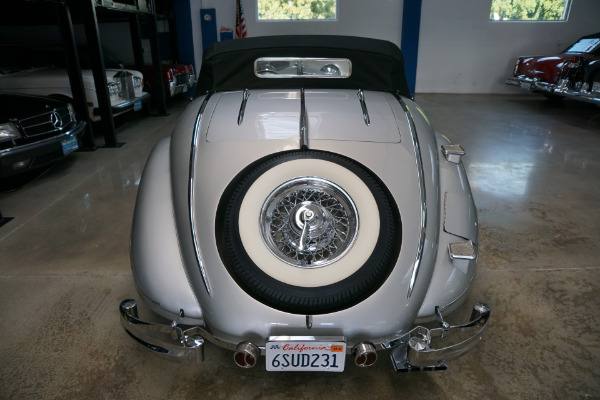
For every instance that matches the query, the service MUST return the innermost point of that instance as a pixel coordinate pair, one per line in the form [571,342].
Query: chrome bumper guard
[531,84]
[175,341]
[424,349]
[413,351]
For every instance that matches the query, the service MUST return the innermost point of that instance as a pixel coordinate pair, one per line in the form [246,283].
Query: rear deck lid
[331,115]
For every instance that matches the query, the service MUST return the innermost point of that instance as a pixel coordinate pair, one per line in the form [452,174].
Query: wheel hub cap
[309,222]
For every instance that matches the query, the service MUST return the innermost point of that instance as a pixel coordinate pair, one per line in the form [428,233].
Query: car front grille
[182,79]
[51,122]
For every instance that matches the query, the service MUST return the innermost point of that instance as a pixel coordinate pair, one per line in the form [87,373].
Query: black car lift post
[92,33]
[65,25]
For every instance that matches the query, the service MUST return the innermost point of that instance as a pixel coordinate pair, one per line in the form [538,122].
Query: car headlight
[114,88]
[8,132]
[137,82]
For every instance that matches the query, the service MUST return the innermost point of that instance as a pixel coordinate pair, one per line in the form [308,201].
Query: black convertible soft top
[376,64]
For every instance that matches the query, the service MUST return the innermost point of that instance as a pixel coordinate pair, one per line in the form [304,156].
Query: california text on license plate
[288,353]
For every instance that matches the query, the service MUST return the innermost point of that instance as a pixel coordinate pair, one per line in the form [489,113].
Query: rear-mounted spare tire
[308,232]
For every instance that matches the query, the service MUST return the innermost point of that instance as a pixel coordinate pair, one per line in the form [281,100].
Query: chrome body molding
[245,96]
[363,105]
[191,188]
[422,193]
[303,121]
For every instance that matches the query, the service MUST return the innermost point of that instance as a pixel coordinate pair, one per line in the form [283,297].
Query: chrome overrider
[420,349]
[561,89]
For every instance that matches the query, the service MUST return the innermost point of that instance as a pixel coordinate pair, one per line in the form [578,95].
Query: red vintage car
[177,78]
[574,73]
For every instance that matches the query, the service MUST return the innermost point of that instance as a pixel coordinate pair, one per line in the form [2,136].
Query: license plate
[289,353]
[69,145]
[137,105]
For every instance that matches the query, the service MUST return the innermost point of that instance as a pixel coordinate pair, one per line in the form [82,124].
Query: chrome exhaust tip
[365,354]
[246,355]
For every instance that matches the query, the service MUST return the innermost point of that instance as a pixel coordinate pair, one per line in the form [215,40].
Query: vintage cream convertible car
[304,210]
[26,70]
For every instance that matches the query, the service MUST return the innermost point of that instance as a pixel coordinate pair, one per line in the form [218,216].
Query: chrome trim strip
[363,105]
[421,177]
[243,106]
[191,192]
[303,122]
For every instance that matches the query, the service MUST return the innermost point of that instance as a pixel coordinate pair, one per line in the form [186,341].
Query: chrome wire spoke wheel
[309,222]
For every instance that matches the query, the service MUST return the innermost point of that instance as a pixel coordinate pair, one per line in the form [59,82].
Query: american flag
[240,21]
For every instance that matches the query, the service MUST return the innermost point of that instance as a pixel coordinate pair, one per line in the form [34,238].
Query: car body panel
[387,161]
[167,274]
[334,115]
[178,261]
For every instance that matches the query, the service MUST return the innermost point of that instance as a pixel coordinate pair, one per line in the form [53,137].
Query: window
[529,10]
[589,46]
[302,67]
[278,10]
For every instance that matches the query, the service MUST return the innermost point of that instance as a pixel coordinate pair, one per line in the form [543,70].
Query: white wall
[380,19]
[461,51]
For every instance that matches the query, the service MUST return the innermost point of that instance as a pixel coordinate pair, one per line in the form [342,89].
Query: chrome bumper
[420,349]
[129,104]
[581,95]
[174,341]
[424,349]
[589,95]
[531,84]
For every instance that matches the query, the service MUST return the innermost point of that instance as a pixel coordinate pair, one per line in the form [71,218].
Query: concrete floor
[534,169]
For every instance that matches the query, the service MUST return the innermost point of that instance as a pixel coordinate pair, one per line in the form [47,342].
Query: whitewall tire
[308,232]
